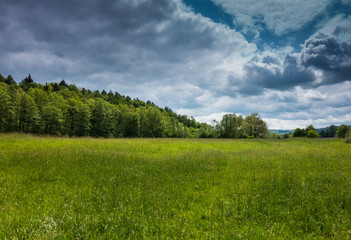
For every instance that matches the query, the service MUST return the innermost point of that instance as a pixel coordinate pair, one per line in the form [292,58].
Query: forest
[63,109]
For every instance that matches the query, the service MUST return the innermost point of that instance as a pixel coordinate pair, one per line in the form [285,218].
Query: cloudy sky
[290,61]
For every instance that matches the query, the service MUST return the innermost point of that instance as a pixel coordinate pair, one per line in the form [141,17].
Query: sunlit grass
[52,188]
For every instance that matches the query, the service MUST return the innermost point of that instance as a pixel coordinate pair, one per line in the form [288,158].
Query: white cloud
[278,123]
[279,16]
[289,109]
[339,26]
[209,118]
[36,60]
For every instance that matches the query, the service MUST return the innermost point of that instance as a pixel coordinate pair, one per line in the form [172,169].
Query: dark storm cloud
[73,25]
[323,60]
[155,50]
[270,75]
[330,56]
[121,15]
[103,36]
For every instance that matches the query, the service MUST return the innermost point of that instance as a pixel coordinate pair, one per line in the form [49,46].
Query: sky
[290,61]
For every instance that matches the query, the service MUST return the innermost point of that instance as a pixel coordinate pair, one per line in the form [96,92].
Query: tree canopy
[341,131]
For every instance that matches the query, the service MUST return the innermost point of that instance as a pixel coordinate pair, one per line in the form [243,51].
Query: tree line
[65,110]
[331,131]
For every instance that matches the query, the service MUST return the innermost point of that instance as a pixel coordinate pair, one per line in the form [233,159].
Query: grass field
[57,188]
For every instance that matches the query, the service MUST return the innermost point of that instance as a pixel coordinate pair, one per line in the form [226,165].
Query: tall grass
[52,188]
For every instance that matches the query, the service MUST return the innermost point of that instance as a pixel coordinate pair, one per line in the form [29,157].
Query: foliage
[348,137]
[7,109]
[329,131]
[52,120]
[207,131]
[312,134]
[77,118]
[29,118]
[8,80]
[298,132]
[309,132]
[100,119]
[341,131]
[233,126]
[308,128]
[131,125]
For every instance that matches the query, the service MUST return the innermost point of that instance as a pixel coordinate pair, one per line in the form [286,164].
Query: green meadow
[85,188]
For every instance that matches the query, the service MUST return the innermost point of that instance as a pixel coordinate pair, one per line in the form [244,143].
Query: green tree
[7,114]
[262,128]
[16,94]
[27,83]
[298,132]
[348,137]
[154,123]
[286,135]
[331,131]
[116,122]
[2,79]
[312,134]
[100,119]
[171,127]
[308,128]
[206,131]
[39,96]
[131,124]
[10,81]
[229,126]
[77,118]
[143,121]
[274,136]
[63,83]
[29,118]
[254,126]
[52,119]
[341,131]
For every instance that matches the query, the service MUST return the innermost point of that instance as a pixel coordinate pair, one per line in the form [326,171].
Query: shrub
[312,134]
[242,135]
[298,132]
[274,136]
[348,137]
[286,135]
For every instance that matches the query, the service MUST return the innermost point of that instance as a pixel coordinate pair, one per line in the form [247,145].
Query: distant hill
[280,131]
[325,129]
[322,131]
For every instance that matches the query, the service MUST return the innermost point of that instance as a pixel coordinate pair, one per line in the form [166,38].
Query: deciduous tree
[342,130]
[29,118]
